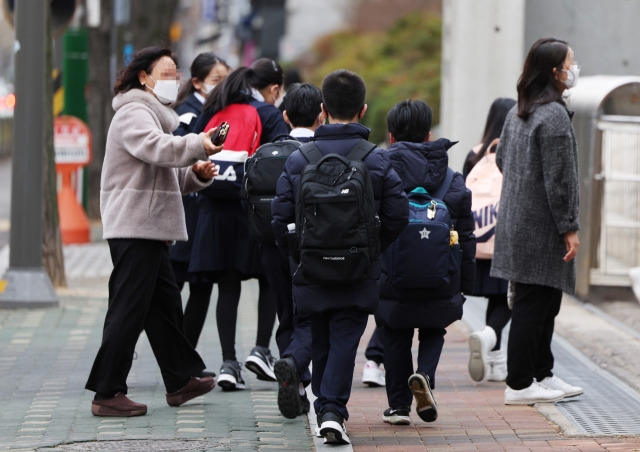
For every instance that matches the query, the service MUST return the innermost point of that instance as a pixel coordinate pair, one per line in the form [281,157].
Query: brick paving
[471,416]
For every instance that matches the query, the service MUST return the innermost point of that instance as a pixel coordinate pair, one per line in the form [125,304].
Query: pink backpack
[485,182]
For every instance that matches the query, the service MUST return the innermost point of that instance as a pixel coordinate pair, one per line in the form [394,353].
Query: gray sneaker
[260,362]
[230,378]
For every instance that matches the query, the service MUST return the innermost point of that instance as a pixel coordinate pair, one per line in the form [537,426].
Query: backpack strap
[282,137]
[446,183]
[361,150]
[311,152]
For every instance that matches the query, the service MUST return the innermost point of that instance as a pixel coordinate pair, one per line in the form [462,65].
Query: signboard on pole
[72,142]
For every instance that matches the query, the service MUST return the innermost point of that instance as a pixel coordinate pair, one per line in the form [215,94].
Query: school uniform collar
[342,131]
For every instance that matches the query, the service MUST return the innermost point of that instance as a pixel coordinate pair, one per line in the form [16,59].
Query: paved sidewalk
[46,354]
[471,416]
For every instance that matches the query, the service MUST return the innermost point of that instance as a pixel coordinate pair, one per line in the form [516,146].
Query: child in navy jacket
[421,163]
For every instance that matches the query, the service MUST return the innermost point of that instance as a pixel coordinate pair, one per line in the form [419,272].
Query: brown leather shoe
[118,406]
[196,387]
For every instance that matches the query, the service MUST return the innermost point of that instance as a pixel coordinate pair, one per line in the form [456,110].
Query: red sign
[72,141]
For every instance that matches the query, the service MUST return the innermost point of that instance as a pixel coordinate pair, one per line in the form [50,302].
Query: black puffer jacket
[391,204]
[425,165]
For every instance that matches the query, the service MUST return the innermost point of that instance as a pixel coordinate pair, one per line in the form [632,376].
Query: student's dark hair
[291,76]
[236,88]
[537,85]
[302,104]
[410,120]
[492,129]
[143,60]
[343,94]
[200,68]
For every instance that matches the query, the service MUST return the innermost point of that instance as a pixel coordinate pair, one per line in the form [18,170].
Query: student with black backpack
[335,266]
[431,299]
[303,114]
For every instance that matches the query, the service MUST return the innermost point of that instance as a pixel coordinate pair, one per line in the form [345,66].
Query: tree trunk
[52,257]
[149,26]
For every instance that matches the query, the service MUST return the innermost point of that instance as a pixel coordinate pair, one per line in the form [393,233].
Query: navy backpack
[427,254]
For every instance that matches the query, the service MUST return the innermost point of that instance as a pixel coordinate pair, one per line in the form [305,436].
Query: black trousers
[398,360]
[498,315]
[532,322]
[143,296]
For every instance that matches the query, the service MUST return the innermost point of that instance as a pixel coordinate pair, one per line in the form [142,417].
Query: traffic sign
[72,141]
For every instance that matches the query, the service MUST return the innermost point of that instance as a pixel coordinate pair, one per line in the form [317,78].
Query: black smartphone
[221,134]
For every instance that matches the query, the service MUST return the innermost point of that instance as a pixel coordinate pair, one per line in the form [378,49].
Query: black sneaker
[332,428]
[230,378]
[425,403]
[260,362]
[397,416]
[289,399]
[306,405]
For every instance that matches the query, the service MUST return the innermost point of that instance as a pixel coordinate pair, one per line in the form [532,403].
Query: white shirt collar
[301,132]
[257,95]
[199,96]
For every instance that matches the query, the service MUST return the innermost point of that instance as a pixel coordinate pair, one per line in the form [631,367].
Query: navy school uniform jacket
[391,204]
[189,111]
[425,165]
[247,259]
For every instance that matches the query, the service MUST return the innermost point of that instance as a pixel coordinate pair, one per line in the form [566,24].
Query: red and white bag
[485,182]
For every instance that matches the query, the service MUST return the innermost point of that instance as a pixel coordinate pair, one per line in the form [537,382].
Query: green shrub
[402,62]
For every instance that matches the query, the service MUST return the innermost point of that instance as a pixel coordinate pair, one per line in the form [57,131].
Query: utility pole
[26,283]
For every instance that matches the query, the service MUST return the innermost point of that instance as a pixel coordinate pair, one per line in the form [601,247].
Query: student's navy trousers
[293,335]
[336,335]
[398,360]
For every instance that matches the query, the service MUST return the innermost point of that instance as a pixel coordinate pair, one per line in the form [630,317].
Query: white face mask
[166,90]
[208,88]
[572,76]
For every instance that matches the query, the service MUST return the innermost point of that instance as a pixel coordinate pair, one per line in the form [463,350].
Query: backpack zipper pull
[431,212]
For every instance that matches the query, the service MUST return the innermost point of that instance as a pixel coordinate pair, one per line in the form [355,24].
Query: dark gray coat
[539,203]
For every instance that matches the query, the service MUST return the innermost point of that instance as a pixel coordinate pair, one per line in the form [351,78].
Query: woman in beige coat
[145,172]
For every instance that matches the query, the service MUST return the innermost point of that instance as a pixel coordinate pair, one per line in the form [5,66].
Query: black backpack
[337,226]
[261,173]
[426,255]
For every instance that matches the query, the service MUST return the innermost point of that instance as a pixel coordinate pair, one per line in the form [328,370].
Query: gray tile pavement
[46,355]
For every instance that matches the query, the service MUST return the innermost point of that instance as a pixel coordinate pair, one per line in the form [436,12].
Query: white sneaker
[372,374]
[480,343]
[497,363]
[556,383]
[536,393]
